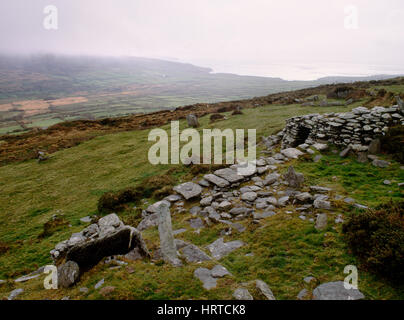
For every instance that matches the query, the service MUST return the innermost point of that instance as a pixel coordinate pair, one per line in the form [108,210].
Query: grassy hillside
[285,248]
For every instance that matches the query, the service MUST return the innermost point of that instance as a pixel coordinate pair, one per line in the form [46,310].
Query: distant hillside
[42,90]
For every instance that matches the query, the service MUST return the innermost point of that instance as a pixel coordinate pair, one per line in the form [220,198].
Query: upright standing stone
[294,179]
[168,248]
[192,121]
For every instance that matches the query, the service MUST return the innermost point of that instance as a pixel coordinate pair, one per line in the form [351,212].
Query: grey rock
[321,221]
[264,289]
[322,204]
[229,175]
[111,220]
[220,249]
[387,182]
[192,121]
[282,202]
[225,205]
[272,200]
[83,290]
[26,278]
[99,284]
[271,179]
[309,279]
[344,153]
[220,182]
[304,197]
[188,190]
[168,248]
[173,198]
[86,219]
[240,211]
[362,157]
[292,153]
[148,222]
[375,146]
[304,293]
[205,276]
[179,231]
[219,271]
[15,293]
[336,291]
[193,254]
[320,146]
[204,183]
[360,206]
[153,208]
[195,210]
[68,274]
[206,201]
[242,294]
[266,214]
[319,189]
[249,196]
[349,200]
[196,223]
[294,179]
[380,163]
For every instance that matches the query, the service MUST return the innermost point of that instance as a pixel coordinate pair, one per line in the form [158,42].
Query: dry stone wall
[356,128]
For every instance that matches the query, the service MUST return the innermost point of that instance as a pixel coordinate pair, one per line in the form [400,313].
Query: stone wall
[356,128]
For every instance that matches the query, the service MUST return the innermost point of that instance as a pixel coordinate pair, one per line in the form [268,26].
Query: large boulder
[336,291]
[68,274]
[106,238]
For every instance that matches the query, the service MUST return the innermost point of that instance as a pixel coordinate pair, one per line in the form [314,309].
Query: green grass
[285,249]
[360,181]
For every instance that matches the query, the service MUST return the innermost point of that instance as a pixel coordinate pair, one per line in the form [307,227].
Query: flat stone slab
[292,153]
[229,175]
[263,215]
[336,291]
[205,276]
[219,271]
[191,252]
[188,190]
[249,196]
[220,182]
[220,249]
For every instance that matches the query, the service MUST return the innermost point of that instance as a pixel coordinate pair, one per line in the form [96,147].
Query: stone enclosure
[356,128]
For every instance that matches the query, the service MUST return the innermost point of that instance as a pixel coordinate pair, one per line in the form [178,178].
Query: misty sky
[227,35]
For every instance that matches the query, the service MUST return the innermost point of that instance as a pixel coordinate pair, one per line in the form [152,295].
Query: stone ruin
[356,128]
[108,237]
